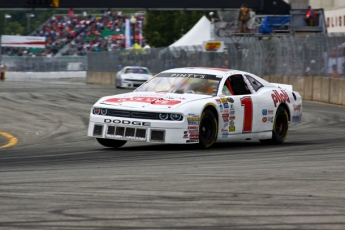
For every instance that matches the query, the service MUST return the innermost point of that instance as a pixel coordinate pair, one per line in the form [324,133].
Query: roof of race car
[204,70]
[221,72]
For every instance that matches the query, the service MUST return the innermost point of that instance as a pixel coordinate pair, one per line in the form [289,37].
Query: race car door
[244,116]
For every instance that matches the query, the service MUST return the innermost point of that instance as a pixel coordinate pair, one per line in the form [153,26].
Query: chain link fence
[44,64]
[279,56]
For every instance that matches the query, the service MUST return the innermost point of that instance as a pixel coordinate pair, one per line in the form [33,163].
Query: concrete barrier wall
[334,90]
[324,89]
[316,88]
[308,88]
[325,86]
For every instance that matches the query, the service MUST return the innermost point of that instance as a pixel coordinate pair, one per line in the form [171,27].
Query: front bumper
[132,83]
[170,132]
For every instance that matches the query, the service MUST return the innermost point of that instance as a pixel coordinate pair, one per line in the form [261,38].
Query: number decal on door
[248,114]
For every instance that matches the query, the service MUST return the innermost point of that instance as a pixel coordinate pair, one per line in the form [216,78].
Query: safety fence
[44,64]
[312,55]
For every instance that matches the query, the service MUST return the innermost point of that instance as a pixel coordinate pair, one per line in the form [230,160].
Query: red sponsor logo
[224,115]
[280,97]
[192,127]
[218,100]
[270,111]
[264,119]
[232,117]
[297,107]
[151,100]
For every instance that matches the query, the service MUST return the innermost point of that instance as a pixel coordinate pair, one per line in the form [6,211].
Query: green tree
[162,28]
[14,28]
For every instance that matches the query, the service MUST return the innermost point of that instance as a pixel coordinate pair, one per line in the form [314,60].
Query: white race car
[132,76]
[197,106]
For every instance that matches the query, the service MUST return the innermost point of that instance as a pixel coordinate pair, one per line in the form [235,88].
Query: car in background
[199,106]
[132,76]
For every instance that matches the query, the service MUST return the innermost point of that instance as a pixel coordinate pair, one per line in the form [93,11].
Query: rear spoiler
[283,86]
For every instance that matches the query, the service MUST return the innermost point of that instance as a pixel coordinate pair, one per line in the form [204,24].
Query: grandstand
[78,34]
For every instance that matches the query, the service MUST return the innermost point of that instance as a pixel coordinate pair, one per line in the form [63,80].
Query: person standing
[243,18]
[310,16]
[335,72]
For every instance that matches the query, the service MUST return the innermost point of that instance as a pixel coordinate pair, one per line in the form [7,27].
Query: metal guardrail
[273,56]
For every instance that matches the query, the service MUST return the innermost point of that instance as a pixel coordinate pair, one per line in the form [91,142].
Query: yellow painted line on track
[12,140]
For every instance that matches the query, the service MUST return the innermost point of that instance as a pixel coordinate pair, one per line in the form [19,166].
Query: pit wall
[323,89]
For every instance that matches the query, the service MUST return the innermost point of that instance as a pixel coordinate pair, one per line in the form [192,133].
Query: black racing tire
[111,143]
[280,127]
[208,129]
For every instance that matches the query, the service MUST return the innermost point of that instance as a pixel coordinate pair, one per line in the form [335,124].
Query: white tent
[197,35]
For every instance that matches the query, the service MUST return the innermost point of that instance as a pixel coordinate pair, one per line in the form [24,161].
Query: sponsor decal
[270,111]
[193,132]
[224,99]
[264,119]
[232,117]
[226,111]
[225,119]
[264,112]
[185,134]
[126,122]
[232,123]
[193,122]
[270,119]
[221,107]
[224,115]
[192,141]
[297,118]
[192,115]
[192,127]
[188,75]
[231,128]
[218,100]
[232,112]
[231,106]
[230,100]
[224,130]
[193,118]
[225,135]
[151,100]
[279,97]
[297,107]
[226,105]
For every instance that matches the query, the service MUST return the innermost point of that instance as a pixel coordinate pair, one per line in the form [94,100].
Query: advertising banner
[23,41]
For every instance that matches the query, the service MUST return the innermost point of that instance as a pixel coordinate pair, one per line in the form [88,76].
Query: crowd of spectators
[82,33]
[106,33]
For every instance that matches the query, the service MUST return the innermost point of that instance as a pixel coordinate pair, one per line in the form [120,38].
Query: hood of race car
[150,100]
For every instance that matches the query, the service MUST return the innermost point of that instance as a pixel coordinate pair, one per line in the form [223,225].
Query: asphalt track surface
[55,177]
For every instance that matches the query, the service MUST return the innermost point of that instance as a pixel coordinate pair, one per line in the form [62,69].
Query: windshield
[182,83]
[137,70]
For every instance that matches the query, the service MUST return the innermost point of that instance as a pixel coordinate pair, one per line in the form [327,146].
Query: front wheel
[280,127]
[111,143]
[208,129]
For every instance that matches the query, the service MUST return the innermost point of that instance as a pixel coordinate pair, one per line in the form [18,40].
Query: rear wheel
[111,143]
[280,127]
[208,129]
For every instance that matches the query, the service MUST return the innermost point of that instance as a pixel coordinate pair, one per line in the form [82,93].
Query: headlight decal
[137,115]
